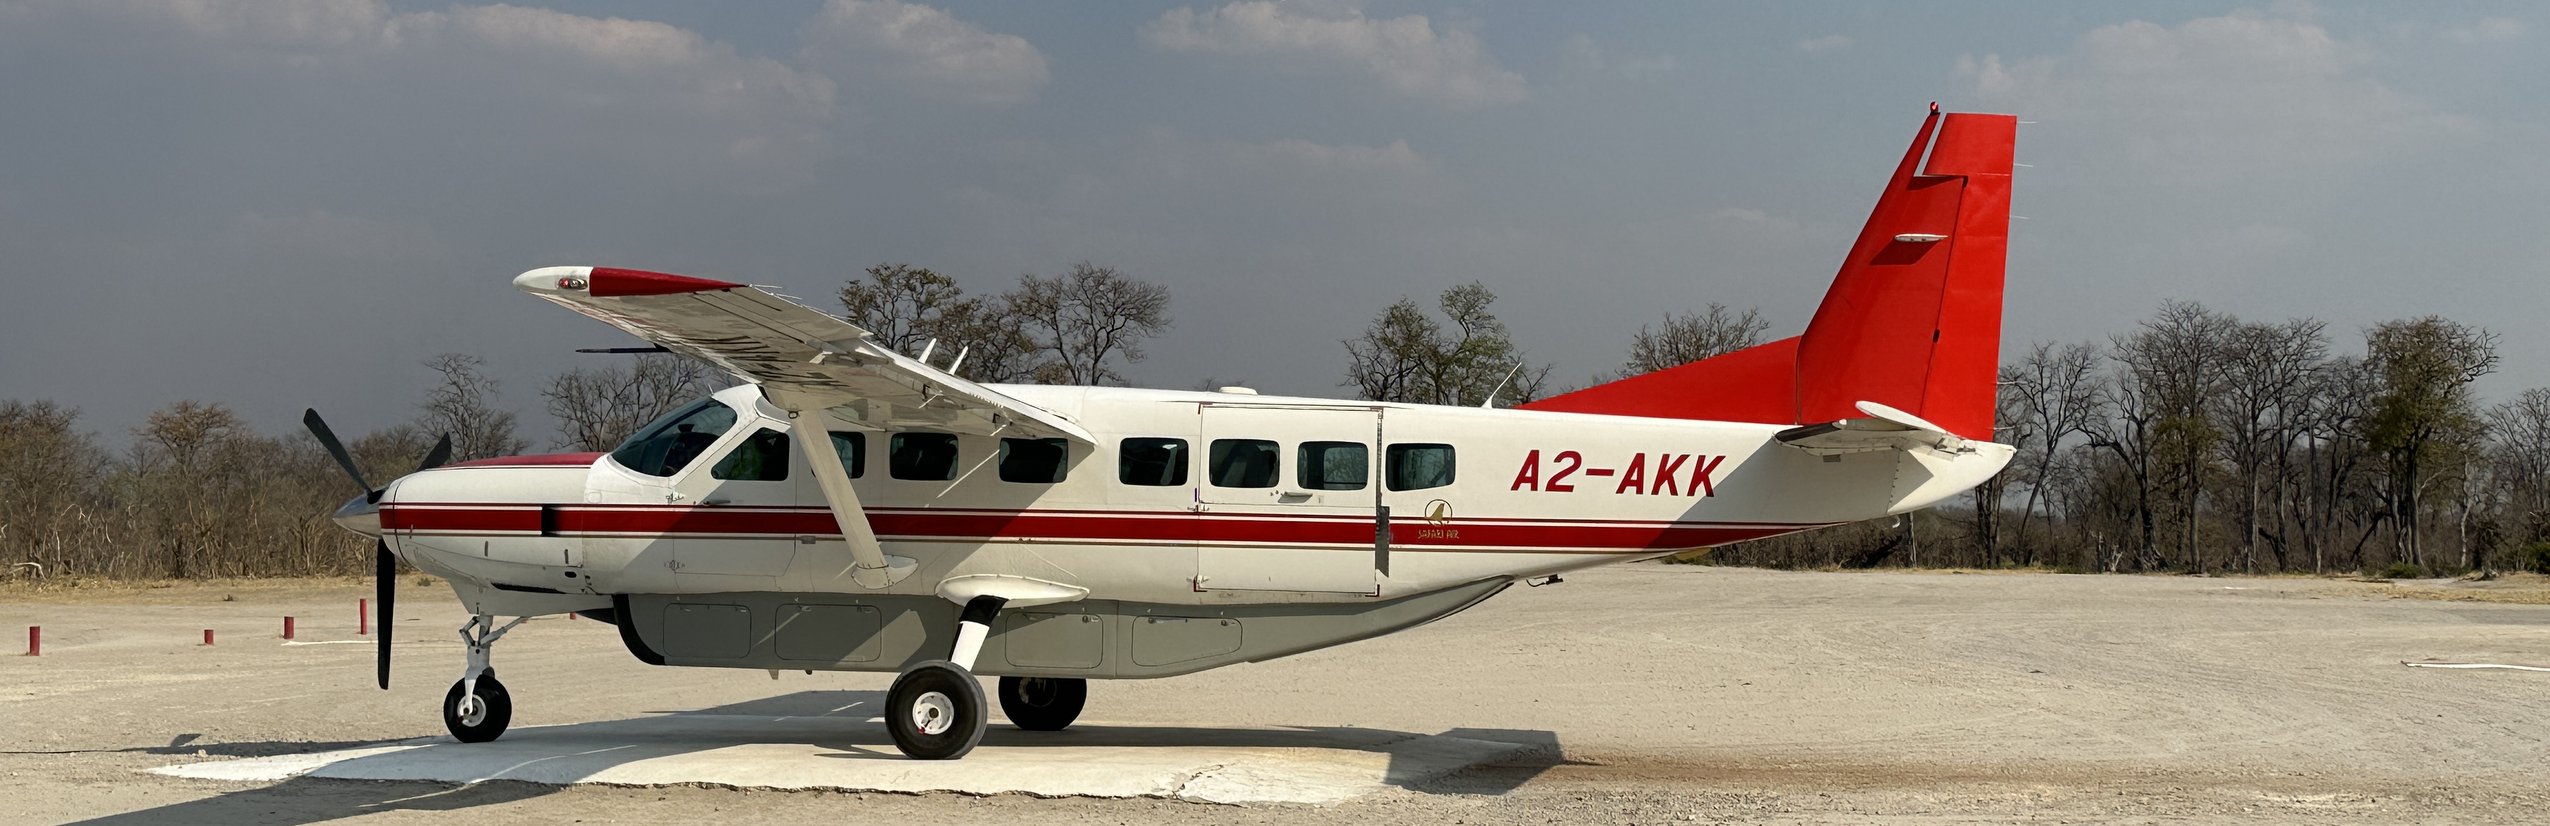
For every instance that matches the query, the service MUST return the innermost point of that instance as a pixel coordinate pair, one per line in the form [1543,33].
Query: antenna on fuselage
[1500,385]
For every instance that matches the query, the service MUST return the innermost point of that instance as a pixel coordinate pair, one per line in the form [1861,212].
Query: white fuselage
[1487,493]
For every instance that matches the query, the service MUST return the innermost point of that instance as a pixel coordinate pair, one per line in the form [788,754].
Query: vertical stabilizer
[1912,321]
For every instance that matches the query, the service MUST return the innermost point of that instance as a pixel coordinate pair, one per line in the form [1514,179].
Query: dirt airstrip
[1651,694]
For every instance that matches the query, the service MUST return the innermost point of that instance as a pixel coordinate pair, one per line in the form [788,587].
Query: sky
[275,204]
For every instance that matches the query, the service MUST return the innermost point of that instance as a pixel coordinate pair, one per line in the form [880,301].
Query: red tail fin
[1913,320]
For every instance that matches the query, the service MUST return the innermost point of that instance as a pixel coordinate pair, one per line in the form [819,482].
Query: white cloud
[923,50]
[1827,43]
[1407,55]
[2491,30]
[2234,97]
[518,80]
[1582,57]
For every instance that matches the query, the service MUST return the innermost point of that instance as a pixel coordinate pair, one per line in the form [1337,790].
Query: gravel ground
[1666,694]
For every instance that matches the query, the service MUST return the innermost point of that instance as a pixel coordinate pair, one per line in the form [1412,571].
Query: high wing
[802,357]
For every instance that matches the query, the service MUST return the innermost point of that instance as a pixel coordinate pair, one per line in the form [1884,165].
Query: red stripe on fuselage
[1029,526]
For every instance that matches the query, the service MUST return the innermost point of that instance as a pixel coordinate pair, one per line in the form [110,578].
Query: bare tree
[47,467]
[2055,394]
[462,405]
[2268,368]
[1406,355]
[598,407]
[2176,359]
[1690,337]
[1083,321]
[906,307]
[2126,433]
[2332,427]
[903,306]
[2519,447]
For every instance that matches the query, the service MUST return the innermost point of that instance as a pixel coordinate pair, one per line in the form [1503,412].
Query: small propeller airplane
[942,529]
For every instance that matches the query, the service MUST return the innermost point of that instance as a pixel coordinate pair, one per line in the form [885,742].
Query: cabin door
[1289,499]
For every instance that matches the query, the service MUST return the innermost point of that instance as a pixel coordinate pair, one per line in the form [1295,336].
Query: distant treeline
[2197,442]
[2203,443]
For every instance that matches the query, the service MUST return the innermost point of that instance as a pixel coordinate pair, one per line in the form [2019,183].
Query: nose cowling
[360,515]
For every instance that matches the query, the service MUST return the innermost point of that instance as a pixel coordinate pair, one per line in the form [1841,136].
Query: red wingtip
[613,282]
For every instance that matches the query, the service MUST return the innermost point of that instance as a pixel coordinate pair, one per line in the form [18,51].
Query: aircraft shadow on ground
[837,721]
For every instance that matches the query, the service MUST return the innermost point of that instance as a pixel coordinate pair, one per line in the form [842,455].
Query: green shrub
[2534,557]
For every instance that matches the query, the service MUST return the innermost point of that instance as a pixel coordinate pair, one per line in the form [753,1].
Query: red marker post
[35,640]
[363,617]
[287,628]
[207,636]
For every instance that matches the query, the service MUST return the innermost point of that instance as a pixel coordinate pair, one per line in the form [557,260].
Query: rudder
[1912,320]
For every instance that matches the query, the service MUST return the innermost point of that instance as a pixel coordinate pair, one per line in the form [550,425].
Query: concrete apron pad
[1217,765]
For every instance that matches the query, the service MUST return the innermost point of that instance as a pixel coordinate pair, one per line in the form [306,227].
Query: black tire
[1043,703]
[490,722]
[935,711]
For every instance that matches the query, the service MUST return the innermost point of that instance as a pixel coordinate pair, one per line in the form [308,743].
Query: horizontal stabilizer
[1884,428]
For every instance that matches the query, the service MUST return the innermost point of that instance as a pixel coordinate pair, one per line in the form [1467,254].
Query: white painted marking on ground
[2474,665]
[1221,765]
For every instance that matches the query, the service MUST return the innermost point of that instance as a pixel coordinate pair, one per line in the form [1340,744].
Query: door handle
[714,502]
[1294,494]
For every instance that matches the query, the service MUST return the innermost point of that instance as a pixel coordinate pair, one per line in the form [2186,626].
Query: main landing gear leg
[477,709]
[935,710]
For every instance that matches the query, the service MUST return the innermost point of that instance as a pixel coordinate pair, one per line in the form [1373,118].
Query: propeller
[384,564]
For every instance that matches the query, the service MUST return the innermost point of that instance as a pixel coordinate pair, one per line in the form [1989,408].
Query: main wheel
[1043,703]
[935,711]
[480,721]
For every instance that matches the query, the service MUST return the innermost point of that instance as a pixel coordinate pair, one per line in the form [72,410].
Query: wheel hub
[933,713]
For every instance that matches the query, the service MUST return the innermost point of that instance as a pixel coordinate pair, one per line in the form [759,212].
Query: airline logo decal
[1438,522]
[1646,474]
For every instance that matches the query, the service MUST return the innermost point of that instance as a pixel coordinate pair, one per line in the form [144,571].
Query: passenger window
[1038,461]
[1244,463]
[1151,462]
[763,457]
[669,444]
[1332,465]
[1418,466]
[929,457]
[853,450]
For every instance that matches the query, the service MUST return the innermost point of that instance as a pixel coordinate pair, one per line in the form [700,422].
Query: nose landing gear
[477,708]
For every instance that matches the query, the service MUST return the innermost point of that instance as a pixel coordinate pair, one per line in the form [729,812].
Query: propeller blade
[327,439]
[385,595]
[441,453]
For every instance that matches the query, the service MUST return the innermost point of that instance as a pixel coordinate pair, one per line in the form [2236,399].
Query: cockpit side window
[667,445]
[763,457]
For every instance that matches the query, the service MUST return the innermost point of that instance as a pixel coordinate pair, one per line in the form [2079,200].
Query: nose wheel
[477,708]
[480,716]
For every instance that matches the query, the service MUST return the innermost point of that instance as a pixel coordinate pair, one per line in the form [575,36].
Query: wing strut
[869,564]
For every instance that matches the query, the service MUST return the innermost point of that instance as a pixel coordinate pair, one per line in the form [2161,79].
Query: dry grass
[2511,589]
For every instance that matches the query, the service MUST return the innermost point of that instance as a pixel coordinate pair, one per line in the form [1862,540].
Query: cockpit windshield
[664,446]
